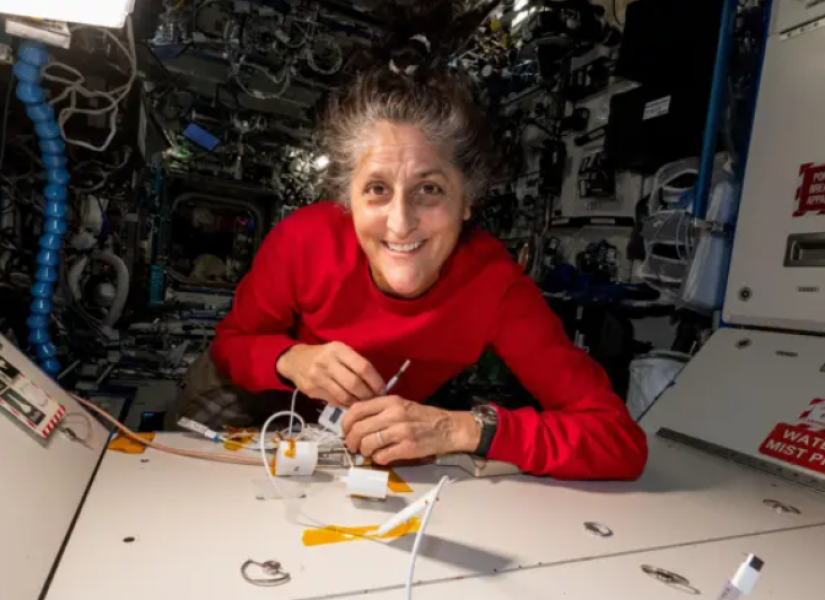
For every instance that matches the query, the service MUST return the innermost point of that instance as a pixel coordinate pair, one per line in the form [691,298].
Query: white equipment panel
[792,571]
[790,14]
[194,523]
[42,482]
[741,387]
[777,276]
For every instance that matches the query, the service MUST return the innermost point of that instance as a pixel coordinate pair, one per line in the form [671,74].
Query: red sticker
[796,445]
[802,444]
[810,195]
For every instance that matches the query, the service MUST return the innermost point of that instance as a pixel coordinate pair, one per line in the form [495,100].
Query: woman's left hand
[390,429]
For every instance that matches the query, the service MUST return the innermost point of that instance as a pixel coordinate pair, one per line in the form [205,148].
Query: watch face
[488,414]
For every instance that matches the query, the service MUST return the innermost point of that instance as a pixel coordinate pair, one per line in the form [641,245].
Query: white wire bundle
[307,433]
[326,440]
[283,80]
[74,88]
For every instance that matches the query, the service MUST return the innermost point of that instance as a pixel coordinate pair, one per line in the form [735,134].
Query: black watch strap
[487,417]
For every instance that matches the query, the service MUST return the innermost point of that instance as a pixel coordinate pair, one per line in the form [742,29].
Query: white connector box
[27,402]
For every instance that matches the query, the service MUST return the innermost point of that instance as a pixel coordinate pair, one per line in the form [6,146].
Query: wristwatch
[486,416]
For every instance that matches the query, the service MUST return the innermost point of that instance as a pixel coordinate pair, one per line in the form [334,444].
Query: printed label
[803,444]
[810,195]
[8,372]
[22,406]
[656,108]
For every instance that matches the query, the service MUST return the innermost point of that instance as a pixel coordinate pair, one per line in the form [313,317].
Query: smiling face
[408,206]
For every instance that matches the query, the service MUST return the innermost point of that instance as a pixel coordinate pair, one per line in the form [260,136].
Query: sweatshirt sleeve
[257,331]
[584,431]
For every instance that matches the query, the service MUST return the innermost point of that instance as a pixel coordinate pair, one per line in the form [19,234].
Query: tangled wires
[77,87]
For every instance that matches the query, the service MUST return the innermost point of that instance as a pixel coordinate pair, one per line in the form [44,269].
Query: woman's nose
[402,220]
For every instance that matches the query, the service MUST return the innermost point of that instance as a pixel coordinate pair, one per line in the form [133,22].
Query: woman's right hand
[332,372]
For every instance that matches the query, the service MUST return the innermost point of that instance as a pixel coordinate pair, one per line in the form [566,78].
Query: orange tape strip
[335,535]
[123,444]
[397,484]
[237,442]
[291,449]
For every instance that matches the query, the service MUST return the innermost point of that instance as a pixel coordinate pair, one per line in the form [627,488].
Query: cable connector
[745,579]
[198,428]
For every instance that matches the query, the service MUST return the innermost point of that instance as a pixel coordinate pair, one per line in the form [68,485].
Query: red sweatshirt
[310,283]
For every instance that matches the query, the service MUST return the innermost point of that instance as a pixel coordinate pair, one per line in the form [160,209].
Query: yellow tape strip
[334,534]
[398,485]
[291,449]
[237,442]
[123,444]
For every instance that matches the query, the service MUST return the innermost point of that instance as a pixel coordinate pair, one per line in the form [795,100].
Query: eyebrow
[379,174]
[430,172]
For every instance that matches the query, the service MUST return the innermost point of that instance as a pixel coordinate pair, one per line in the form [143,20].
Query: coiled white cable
[112,100]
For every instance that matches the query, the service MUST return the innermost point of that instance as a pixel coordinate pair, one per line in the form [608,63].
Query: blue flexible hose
[31,59]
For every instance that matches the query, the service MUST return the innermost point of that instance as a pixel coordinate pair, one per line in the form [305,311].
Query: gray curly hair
[439,104]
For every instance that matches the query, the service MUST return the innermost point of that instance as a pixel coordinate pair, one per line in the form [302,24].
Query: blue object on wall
[201,137]
[716,105]
[31,59]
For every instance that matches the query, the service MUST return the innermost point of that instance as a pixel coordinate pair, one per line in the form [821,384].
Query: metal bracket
[275,575]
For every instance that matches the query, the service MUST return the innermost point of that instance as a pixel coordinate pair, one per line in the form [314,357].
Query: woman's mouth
[405,249]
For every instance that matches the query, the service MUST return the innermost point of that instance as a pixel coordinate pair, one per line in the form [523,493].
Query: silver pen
[395,379]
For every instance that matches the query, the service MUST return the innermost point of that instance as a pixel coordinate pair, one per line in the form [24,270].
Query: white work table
[195,523]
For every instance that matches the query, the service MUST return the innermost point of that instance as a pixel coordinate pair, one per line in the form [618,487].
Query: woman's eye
[431,189]
[376,189]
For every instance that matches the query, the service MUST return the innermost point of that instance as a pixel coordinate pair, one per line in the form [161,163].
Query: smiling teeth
[404,247]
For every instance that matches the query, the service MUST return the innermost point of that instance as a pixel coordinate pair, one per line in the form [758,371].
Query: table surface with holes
[158,525]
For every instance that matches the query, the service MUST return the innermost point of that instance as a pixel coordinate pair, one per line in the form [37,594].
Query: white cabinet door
[42,483]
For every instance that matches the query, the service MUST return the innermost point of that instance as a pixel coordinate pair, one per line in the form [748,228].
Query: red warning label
[795,445]
[802,444]
[810,195]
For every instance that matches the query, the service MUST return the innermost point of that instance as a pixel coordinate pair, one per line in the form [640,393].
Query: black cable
[6,111]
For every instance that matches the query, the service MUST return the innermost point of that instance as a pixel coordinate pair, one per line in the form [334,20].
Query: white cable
[292,411]
[284,81]
[267,468]
[262,442]
[112,99]
[288,413]
[745,579]
[418,536]
[122,273]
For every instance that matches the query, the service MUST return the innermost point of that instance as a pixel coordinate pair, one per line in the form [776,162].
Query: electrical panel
[790,14]
[777,276]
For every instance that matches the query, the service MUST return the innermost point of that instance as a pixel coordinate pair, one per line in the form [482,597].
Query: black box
[650,126]
[670,42]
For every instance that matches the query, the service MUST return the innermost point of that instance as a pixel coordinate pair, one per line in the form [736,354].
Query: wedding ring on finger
[381,443]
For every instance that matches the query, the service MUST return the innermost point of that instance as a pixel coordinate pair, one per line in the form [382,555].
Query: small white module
[331,418]
[27,402]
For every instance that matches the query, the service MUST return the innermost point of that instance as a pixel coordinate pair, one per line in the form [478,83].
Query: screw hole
[745,294]
[144,460]
[743,343]
[598,530]
[129,540]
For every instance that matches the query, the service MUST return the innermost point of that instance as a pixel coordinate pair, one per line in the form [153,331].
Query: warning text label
[796,445]
[810,195]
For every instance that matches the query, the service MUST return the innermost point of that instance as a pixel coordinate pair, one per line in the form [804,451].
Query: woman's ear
[468,210]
